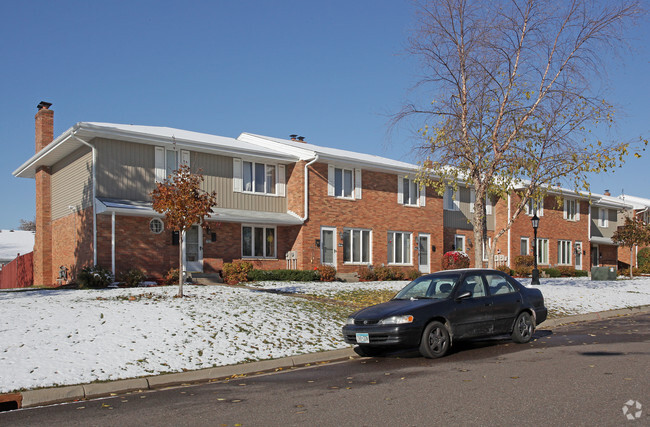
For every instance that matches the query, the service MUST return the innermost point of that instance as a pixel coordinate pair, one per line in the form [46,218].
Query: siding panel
[72,183]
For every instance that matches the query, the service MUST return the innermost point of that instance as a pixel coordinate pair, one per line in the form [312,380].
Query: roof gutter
[304,218]
[94,176]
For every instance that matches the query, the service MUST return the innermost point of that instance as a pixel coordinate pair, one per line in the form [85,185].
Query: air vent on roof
[293,136]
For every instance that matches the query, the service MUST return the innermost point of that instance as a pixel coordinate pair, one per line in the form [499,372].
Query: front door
[423,253]
[594,256]
[328,246]
[193,248]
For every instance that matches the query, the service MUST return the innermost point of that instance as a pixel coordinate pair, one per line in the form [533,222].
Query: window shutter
[455,197]
[577,210]
[357,183]
[540,208]
[330,180]
[566,208]
[160,164]
[400,190]
[488,205]
[422,193]
[446,199]
[185,157]
[472,199]
[280,186]
[236,176]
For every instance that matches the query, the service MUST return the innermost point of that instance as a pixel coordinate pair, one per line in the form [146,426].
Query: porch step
[348,277]
[206,278]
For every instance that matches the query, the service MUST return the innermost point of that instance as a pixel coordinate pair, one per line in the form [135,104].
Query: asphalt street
[577,374]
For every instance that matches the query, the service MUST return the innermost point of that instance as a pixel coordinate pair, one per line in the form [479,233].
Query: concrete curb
[47,396]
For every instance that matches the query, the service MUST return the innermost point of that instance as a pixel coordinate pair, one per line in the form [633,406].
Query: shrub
[506,269]
[133,277]
[289,275]
[94,277]
[383,273]
[524,261]
[552,272]
[397,273]
[643,258]
[582,273]
[367,275]
[412,274]
[171,278]
[455,259]
[523,271]
[567,271]
[236,271]
[326,273]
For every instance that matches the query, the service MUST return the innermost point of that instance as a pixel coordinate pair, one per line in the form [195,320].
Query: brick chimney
[43,238]
[607,193]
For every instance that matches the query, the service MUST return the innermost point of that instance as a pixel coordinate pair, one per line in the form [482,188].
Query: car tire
[435,341]
[365,351]
[523,329]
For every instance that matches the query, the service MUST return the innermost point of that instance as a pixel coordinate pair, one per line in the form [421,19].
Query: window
[571,210]
[171,162]
[532,206]
[258,242]
[167,161]
[399,247]
[498,284]
[450,199]
[472,202]
[603,218]
[542,251]
[408,192]
[459,243]
[524,246]
[258,177]
[343,182]
[473,284]
[356,245]
[564,252]
[156,226]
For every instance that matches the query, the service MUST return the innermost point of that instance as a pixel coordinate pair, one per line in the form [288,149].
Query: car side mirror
[464,295]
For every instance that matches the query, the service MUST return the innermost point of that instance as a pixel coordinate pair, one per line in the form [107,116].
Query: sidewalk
[46,396]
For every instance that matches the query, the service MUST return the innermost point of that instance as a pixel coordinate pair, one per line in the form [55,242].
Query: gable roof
[636,202]
[14,242]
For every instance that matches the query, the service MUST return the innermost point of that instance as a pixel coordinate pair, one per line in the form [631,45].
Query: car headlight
[397,320]
[350,321]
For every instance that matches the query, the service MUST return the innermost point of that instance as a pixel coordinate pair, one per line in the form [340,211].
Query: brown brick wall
[72,243]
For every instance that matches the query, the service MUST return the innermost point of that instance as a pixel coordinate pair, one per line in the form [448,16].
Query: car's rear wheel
[524,328]
[435,340]
[366,351]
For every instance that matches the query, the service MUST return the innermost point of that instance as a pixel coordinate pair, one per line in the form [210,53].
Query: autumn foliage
[455,259]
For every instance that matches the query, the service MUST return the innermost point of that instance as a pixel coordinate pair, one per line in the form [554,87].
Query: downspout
[509,263]
[94,151]
[304,218]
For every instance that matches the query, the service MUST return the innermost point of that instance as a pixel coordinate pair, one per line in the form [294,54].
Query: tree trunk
[631,260]
[181,276]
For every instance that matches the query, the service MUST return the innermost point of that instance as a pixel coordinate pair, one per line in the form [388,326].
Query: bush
[522,271]
[524,261]
[626,272]
[133,277]
[567,271]
[506,270]
[236,271]
[582,273]
[383,273]
[94,277]
[397,273]
[287,275]
[412,274]
[367,275]
[552,272]
[326,273]
[455,259]
[171,278]
[643,258]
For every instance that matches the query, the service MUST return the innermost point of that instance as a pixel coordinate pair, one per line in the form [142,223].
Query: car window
[436,287]
[498,284]
[472,283]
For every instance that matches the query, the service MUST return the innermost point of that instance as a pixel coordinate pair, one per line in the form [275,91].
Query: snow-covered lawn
[57,337]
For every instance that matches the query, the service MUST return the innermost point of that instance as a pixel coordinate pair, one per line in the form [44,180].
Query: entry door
[423,253]
[594,256]
[328,246]
[578,254]
[194,249]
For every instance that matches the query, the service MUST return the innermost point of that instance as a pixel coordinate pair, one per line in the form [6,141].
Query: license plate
[363,338]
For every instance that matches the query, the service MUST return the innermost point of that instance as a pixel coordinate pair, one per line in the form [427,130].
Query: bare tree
[27,224]
[513,100]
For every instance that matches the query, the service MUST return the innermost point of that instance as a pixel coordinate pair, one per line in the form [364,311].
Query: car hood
[392,308]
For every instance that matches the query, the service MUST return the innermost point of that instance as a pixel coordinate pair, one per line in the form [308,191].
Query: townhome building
[280,203]
[639,208]
[607,214]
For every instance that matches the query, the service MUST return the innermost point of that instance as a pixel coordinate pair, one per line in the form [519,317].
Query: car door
[472,316]
[506,302]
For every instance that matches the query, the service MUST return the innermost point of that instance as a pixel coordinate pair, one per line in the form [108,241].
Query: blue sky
[331,71]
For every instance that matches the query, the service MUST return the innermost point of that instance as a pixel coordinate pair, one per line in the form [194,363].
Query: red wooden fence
[19,273]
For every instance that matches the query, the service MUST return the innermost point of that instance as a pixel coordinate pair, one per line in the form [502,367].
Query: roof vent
[293,137]
[607,193]
[301,138]
[44,105]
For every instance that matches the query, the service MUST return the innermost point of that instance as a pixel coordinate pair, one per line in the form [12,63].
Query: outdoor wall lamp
[535,222]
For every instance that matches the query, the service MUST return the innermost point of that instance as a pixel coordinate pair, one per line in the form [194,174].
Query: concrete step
[348,277]
[206,278]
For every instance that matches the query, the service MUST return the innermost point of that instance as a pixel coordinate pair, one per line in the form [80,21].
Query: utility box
[603,273]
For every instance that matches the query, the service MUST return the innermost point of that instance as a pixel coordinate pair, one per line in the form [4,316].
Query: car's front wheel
[524,328]
[435,340]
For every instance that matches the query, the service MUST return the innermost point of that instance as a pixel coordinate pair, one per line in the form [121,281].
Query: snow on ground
[57,337]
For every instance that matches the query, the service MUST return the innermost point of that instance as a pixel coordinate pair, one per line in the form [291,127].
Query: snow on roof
[14,242]
[636,202]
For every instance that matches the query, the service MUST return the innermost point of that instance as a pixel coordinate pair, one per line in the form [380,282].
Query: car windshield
[433,287]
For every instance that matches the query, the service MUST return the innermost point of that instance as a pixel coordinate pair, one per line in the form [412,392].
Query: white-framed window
[258,177]
[399,247]
[167,161]
[156,225]
[533,206]
[450,199]
[564,252]
[357,244]
[542,251]
[459,243]
[258,241]
[343,182]
[603,218]
[524,246]
[409,193]
[472,202]
[571,209]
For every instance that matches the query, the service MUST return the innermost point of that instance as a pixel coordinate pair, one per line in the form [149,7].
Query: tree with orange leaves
[184,204]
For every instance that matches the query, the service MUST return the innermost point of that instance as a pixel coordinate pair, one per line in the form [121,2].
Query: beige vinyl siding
[462,218]
[597,230]
[71,183]
[217,171]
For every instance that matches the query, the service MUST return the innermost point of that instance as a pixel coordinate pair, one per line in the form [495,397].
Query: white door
[193,249]
[328,246]
[423,253]
[578,254]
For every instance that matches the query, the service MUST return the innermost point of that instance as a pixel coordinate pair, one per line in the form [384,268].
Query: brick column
[43,238]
